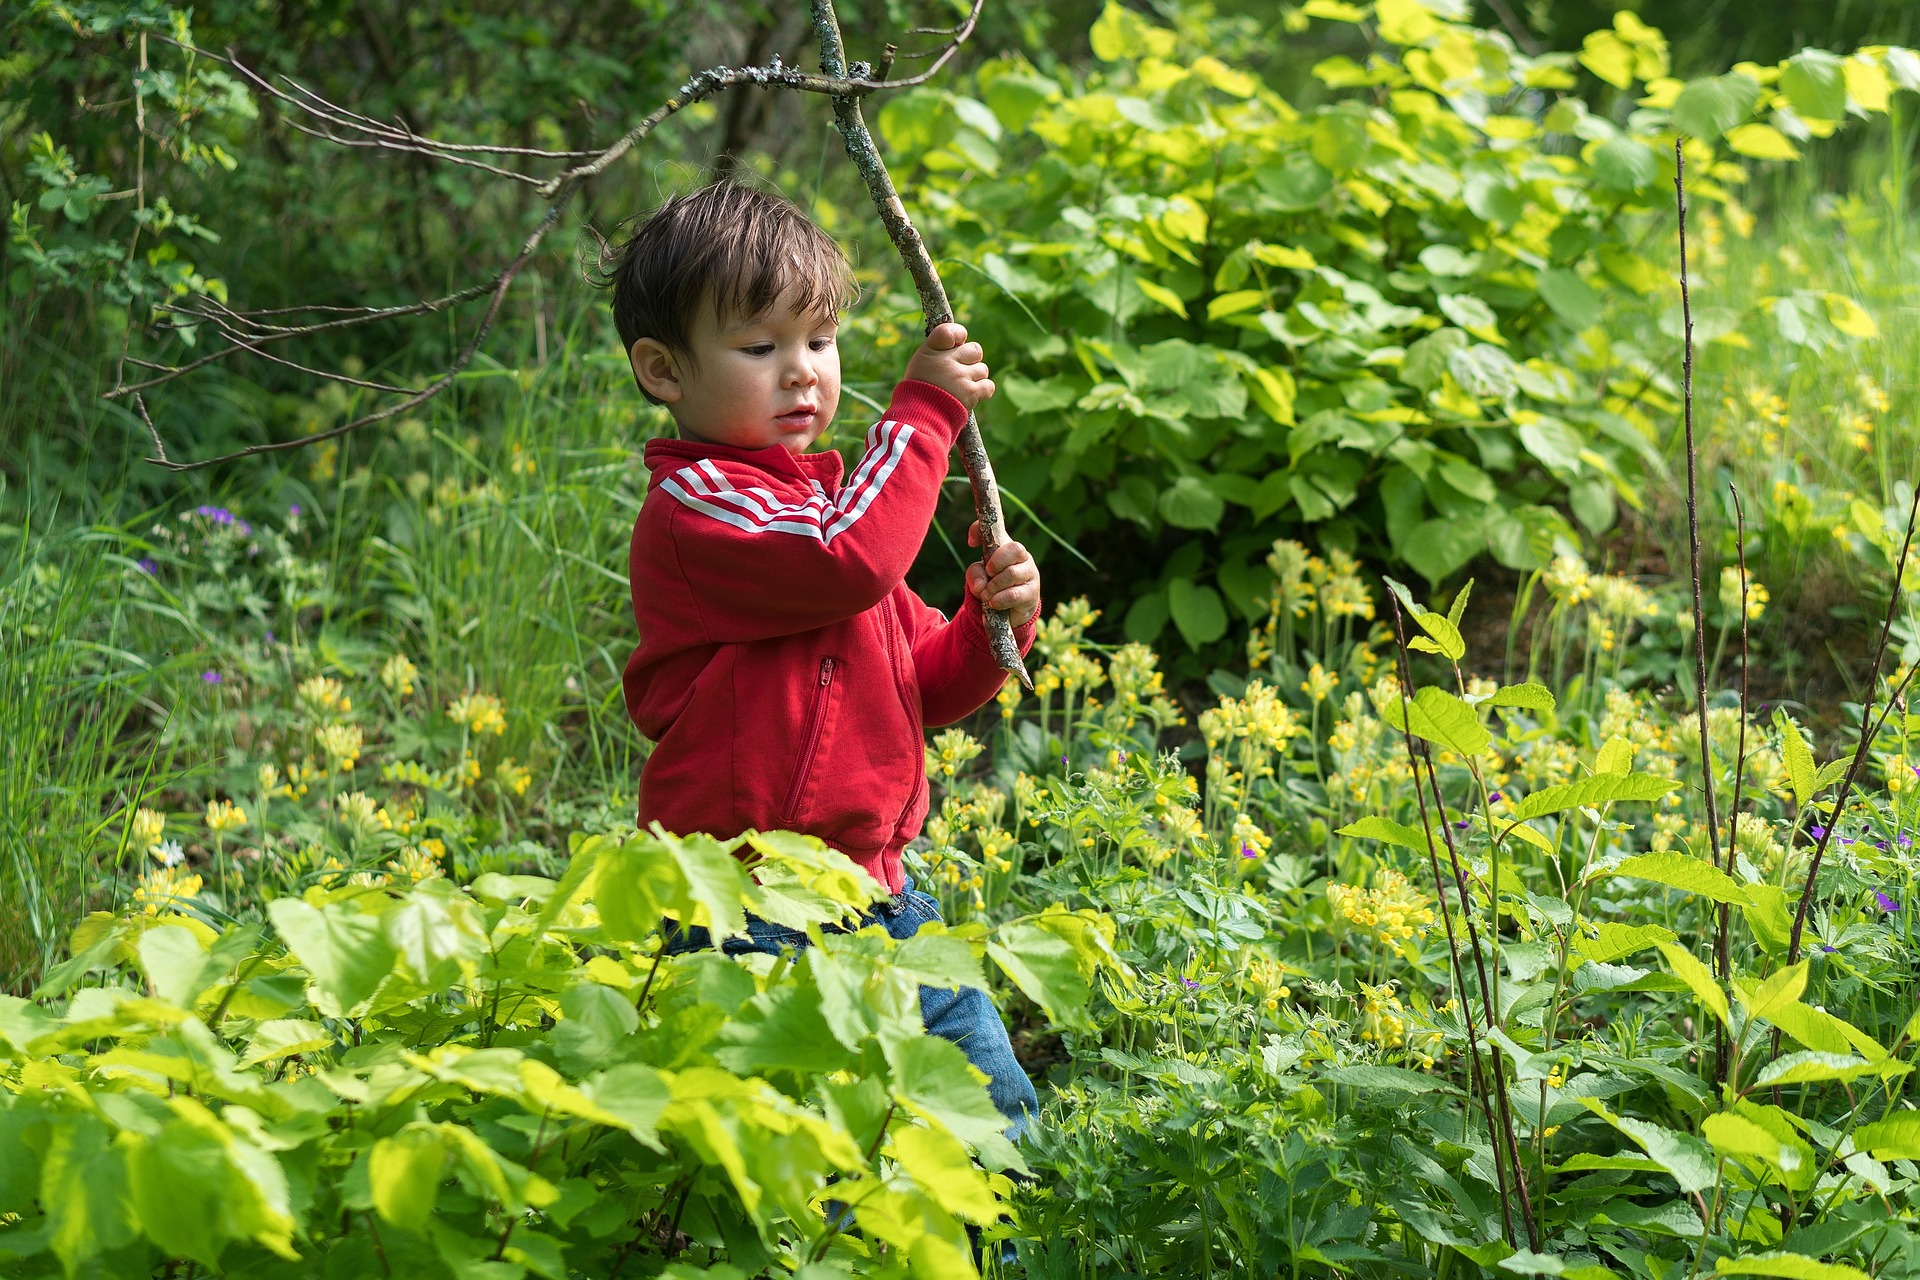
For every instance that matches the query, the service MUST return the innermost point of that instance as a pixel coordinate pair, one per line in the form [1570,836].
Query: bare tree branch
[248,332]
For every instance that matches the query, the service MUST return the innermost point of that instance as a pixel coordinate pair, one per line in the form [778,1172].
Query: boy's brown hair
[737,246]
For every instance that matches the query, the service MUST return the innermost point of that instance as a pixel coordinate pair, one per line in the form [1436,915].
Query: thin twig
[426,393]
[1693,514]
[1476,1082]
[1722,948]
[1869,730]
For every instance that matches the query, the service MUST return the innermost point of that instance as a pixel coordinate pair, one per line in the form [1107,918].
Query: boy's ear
[656,370]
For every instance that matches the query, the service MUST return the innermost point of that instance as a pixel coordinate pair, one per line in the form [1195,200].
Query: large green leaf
[1593,791]
[1810,1067]
[1374,827]
[344,949]
[1708,107]
[177,965]
[404,1173]
[1699,979]
[933,1079]
[1896,1137]
[1815,83]
[1197,611]
[1689,1160]
[1688,874]
[1441,718]
[1791,1266]
[84,1192]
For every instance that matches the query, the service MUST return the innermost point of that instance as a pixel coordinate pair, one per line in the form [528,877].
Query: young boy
[785,670]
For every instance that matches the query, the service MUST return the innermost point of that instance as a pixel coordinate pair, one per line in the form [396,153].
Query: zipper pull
[826,671]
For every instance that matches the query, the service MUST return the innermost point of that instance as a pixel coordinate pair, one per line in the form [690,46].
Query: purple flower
[1817,831]
[1063,762]
[219,515]
[1846,840]
[270,637]
[294,511]
[1885,903]
[1461,825]
[212,677]
[1881,845]
[1829,950]
[1190,984]
[147,564]
[1248,851]
[246,531]
[1495,796]
[1904,840]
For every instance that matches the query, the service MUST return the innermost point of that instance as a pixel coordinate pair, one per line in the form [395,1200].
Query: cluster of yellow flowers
[323,695]
[1757,596]
[398,674]
[1393,908]
[223,816]
[342,743]
[479,713]
[950,753]
[166,889]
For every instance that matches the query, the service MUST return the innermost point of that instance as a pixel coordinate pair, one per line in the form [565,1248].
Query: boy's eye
[821,344]
[759,349]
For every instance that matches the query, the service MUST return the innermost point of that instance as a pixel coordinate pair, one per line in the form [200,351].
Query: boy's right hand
[951,363]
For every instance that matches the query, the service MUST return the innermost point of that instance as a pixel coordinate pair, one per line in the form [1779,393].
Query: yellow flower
[398,674]
[415,864]
[165,888]
[950,753]
[1567,580]
[1009,697]
[268,777]
[514,777]
[357,810]
[1319,683]
[1757,596]
[223,816]
[479,712]
[147,828]
[323,695]
[342,743]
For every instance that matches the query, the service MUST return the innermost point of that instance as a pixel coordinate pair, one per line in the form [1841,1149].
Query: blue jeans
[964,1015]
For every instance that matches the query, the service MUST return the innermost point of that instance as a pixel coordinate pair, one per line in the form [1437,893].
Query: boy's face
[753,382]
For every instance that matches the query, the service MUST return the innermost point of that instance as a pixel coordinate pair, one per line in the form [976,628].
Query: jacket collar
[825,466]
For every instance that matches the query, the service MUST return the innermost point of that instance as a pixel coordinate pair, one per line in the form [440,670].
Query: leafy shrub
[1302,1081]
[1222,314]
[511,1078]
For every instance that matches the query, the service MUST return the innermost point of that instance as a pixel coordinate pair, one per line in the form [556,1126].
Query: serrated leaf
[1441,718]
[1689,1160]
[1374,827]
[1699,979]
[1617,940]
[1397,1079]
[1688,874]
[1810,1067]
[1779,990]
[404,1174]
[1897,1137]
[1792,1266]
[1614,757]
[1589,792]
[1531,695]
[1162,295]
[1797,756]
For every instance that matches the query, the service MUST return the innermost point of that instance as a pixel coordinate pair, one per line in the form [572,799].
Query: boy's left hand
[1009,581]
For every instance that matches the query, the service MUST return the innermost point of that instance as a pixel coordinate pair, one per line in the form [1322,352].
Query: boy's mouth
[797,418]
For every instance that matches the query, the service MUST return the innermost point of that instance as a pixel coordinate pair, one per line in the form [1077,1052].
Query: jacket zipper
[816,722]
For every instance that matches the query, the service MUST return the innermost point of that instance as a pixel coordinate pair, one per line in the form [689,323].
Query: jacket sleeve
[951,660]
[759,565]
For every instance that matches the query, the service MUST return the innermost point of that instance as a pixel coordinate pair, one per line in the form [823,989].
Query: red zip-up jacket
[785,670]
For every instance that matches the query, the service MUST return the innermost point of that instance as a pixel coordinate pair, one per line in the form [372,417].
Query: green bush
[511,1078]
[1221,314]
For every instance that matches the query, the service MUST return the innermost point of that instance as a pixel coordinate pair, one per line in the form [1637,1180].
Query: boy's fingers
[947,336]
[1006,555]
[970,353]
[973,534]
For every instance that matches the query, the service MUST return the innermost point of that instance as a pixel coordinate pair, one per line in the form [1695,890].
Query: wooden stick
[933,304]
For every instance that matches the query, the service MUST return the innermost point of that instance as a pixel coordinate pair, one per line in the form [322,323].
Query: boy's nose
[801,374]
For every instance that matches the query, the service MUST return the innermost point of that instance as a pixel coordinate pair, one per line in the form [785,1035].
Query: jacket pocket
[810,734]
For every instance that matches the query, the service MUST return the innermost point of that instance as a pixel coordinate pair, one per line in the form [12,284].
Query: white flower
[169,853]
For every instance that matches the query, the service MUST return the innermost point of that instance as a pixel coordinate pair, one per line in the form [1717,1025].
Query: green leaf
[280,1038]
[346,951]
[1190,503]
[1374,827]
[1709,107]
[1688,874]
[1162,295]
[1442,719]
[1699,979]
[1815,83]
[1615,756]
[176,963]
[1197,611]
[1531,696]
[933,1079]
[1793,1266]
[83,1191]
[1570,296]
[1616,940]
[1738,1136]
[1553,443]
[1593,791]
[1622,166]
[1687,1158]
[636,1094]
[1797,756]
[404,1173]
[941,1167]
[1897,1137]
[1780,989]
[1810,1067]
[1393,1079]
[1821,1031]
